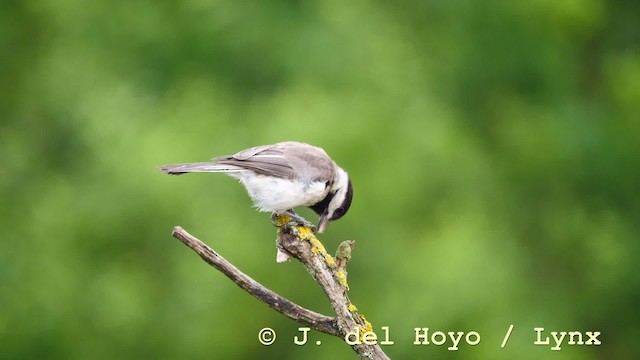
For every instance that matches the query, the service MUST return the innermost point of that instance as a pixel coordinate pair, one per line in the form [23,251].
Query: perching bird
[284,176]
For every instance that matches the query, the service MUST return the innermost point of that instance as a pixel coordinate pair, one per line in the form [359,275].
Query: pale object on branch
[343,254]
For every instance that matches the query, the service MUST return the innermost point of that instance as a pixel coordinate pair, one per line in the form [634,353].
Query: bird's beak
[322,224]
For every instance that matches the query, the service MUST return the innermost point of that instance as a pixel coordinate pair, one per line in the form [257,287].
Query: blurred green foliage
[493,146]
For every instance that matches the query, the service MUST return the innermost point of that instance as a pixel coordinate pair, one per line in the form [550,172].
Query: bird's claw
[288,220]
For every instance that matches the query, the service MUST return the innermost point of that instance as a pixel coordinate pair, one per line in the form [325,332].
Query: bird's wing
[288,160]
[311,163]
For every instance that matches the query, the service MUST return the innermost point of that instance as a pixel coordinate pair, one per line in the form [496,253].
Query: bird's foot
[299,220]
[289,219]
[279,220]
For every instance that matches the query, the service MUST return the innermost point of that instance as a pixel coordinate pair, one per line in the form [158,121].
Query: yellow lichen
[330,261]
[305,233]
[282,220]
[342,279]
[318,245]
[367,325]
[352,308]
[366,329]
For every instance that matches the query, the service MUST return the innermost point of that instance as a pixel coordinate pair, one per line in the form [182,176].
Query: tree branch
[282,305]
[300,243]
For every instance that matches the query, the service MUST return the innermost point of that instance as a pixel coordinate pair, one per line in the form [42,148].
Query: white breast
[275,194]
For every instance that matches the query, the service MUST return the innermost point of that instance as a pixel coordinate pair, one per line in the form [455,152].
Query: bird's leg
[300,220]
[295,219]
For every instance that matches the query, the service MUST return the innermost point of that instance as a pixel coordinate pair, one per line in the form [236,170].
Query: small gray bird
[284,176]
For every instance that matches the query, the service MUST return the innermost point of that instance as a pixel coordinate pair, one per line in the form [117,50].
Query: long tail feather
[179,169]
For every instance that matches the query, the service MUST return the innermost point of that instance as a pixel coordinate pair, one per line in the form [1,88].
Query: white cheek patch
[342,180]
[340,187]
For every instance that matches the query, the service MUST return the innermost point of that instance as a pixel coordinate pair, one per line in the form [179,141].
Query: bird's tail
[179,169]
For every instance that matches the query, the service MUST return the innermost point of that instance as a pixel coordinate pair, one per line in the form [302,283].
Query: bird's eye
[326,185]
[338,213]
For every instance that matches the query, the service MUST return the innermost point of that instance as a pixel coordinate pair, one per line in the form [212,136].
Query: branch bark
[282,305]
[302,244]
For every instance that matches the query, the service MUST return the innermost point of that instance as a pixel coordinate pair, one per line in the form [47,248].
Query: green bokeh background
[493,146]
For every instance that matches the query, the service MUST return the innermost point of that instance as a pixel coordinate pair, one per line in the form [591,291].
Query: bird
[283,176]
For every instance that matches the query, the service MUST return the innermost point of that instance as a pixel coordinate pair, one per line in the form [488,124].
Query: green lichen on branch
[343,254]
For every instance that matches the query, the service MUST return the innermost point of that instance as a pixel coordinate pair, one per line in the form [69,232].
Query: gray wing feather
[284,160]
[311,162]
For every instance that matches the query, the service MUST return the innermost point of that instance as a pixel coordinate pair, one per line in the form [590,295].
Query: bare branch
[282,305]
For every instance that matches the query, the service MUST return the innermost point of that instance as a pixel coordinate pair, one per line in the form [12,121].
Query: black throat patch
[320,207]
